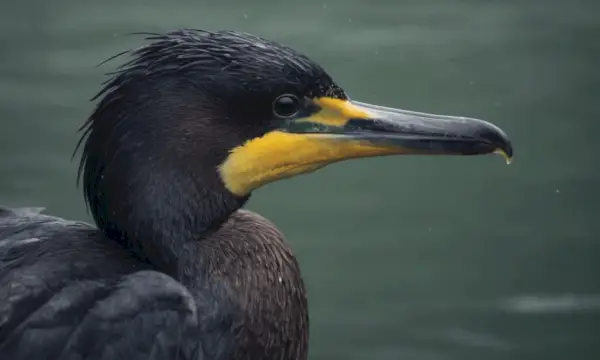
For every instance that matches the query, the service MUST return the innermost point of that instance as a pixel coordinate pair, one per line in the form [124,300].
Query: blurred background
[405,257]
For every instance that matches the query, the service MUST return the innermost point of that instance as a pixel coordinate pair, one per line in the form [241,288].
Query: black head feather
[243,61]
[169,116]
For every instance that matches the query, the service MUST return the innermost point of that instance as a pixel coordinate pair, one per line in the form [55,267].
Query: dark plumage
[68,293]
[229,286]
[181,136]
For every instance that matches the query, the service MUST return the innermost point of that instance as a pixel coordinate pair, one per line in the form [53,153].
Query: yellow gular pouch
[278,155]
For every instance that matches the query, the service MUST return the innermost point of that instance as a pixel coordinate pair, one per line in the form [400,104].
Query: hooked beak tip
[503,145]
[506,155]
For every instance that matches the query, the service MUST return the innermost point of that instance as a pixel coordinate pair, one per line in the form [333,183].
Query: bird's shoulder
[255,243]
[251,226]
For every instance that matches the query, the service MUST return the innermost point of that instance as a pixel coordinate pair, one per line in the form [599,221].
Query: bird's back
[66,292]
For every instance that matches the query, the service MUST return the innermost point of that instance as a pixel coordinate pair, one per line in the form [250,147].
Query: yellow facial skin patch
[335,112]
[279,155]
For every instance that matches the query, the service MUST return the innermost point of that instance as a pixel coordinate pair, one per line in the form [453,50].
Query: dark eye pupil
[286,106]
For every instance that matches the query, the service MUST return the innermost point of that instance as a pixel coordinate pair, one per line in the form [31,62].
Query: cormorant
[180,137]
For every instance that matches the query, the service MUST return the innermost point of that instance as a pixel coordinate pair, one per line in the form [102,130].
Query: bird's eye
[286,106]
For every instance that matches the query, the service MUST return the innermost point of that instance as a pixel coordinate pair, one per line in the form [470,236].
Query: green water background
[404,258]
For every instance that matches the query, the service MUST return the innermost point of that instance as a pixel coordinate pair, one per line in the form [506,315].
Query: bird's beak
[388,131]
[329,130]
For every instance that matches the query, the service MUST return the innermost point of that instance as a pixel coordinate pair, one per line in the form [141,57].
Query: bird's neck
[163,214]
[150,181]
